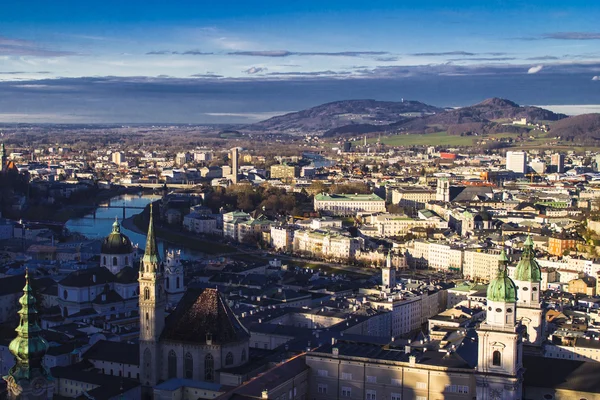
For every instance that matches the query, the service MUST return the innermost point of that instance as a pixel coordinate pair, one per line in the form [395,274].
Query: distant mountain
[483,117]
[365,113]
[580,128]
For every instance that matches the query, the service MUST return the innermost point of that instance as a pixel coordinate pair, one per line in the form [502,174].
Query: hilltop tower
[2,158]
[528,277]
[152,309]
[28,379]
[500,349]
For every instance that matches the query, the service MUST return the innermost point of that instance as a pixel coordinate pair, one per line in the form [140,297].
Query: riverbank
[77,210]
[139,224]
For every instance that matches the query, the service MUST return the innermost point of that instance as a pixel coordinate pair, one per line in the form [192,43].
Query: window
[497,358]
[65,294]
[177,283]
[115,262]
[168,283]
[395,396]
[396,382]
[209,368]
[463,389]
[371,394]
[371,379]
[188,366]
[146,293]
[104,260]
[126,260]
[243,355]
[421,385]
[421,398]
[172,365]
[229,359]
[322,388]
[346,391]
[347,376]
[322,372]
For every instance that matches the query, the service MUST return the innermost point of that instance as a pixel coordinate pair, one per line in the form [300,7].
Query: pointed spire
[151,255]
[29,347]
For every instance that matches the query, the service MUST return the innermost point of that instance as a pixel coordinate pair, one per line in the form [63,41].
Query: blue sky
[279,40]
[486,46]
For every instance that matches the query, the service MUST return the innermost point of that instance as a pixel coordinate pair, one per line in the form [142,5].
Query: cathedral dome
[502,288]
[528,269]
[116,242]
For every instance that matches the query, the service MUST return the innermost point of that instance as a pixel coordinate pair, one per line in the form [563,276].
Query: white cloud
[596,78]
[535,70]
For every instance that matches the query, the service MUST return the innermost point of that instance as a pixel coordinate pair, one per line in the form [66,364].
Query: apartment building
[327,244]
[348,204]
[413,196]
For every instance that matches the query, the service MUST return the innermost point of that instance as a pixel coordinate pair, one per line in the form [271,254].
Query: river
[101,226]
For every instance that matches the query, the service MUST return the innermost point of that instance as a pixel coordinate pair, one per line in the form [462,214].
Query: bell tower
[388,274]
[528,277]
[174,278]
[152,308]
[29,379]
[500,353]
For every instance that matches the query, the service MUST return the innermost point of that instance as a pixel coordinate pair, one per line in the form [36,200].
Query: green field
[430,139]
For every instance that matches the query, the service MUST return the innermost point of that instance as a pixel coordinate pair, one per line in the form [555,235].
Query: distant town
[208,262]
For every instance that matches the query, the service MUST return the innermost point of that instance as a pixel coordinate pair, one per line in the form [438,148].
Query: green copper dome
[116,242]
[528,269]
[28,347]
[502,288]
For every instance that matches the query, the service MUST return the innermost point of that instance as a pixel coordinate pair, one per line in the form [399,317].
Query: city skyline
[539,53]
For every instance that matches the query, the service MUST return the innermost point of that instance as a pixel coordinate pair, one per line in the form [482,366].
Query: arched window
[497,358]
[146,293]
[243,355]
[168,283]
[104,260]
[229,359]
[172,365]
[147,362]
[188,366]
[115,262]
[177,283]
[65,312]
[126,260]
[209,368]
[147,321]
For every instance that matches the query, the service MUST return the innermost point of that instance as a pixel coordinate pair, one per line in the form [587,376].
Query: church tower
[528,277]
[152,309]
[174,278]
[28,379]
[388,273]
[500,349]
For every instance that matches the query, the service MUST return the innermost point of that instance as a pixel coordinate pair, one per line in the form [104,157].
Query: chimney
[412,360]
[407,349]
[335,352]
[265,394]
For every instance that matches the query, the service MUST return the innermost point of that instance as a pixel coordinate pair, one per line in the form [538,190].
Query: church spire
[151,256]
[29,348]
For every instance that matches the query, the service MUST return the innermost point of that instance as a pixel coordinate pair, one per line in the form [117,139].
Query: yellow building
[585,285]
[283,171]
